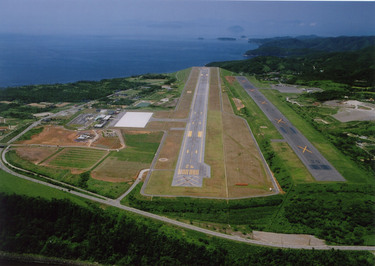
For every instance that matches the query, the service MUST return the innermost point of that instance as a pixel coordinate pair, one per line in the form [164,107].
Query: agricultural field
[76,158]
[124,165]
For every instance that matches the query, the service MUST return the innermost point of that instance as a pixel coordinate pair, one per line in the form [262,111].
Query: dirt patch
[35,154]
[288,239]
[230,79]
[52,135]
[348,114]
[108,142]
[238,103]
[62,104]
[38,105]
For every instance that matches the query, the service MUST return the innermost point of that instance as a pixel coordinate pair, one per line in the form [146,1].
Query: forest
[303,45]
[60,228]
[353,68]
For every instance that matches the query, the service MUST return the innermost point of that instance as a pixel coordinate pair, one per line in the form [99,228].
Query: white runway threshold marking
[134,119]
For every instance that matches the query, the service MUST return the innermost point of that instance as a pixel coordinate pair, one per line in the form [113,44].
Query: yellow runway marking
[191,166]
[304,149]
[200,133]
[196,151]
[190,133]
[187,151]
[193,172]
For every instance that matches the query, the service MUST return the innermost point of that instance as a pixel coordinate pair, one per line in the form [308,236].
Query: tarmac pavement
[314,161]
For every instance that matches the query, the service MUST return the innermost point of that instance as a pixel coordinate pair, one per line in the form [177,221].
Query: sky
[181,19]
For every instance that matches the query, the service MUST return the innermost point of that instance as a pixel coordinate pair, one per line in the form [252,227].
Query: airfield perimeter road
[317,165]
[190,168]
[117,204]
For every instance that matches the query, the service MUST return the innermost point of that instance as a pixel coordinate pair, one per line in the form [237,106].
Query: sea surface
[28,60]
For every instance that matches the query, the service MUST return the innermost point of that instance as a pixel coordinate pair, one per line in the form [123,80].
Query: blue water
[39,60]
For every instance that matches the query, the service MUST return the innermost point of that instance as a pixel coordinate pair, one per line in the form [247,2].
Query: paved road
[314,161]
[136,182]
[190,168]
[117,204]
[37,123]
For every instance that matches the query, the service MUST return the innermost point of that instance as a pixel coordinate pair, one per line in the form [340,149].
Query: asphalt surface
[191,169]
[314,161]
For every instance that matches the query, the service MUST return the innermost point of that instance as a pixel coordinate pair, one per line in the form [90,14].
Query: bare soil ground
[287,239]
[107,142]
[238,103]
[353,110]
[62,104]
[56,135]
[35,154]
[59,136]
[230,79]
[113,170]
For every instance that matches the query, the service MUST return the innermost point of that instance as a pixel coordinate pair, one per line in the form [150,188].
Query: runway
[314,161]
[190,168]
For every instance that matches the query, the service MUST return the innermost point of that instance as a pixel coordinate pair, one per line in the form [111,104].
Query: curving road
[117,204]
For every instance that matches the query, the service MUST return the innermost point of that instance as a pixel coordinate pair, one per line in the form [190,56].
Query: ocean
[26,60]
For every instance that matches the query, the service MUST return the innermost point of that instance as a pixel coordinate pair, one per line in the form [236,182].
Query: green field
[298,171]
[11,184]
[260,125]
[77,158]
[139,147]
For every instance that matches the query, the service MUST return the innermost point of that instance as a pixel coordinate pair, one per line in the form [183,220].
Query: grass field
[76,158]
[341,162]
[293,163]
[10,184]
[259,123]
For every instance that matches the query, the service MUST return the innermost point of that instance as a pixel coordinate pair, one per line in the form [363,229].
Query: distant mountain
[266,40]
[355,68]
[226,39]
[303,45]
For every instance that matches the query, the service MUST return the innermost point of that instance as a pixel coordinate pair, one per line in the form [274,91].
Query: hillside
[288,46]
[354,68]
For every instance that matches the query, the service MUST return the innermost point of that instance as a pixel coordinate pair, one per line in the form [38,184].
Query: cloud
[313,24]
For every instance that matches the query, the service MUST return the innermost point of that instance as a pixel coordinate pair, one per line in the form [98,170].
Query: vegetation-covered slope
[288,46]
[62,229]
[351,68]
